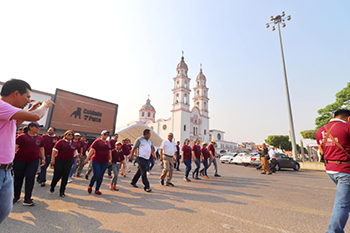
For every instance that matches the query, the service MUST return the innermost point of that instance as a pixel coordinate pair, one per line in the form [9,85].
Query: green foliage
[342,101]
[309,134]
[279,141]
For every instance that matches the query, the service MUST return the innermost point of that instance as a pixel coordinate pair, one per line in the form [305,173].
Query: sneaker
[98,193]
[86,177]
[263,173]
[162,182]
[42,184]
[52,190]
[186,179]
[269,173]
[148,190]
[115,188]
[134,185]
[207,177]
[110,176]
[89,190]
[129,171]
[217,175]
[197,178]
[200,173]
[193,175]
[70,180]
[28,202]
[15,200]
[111,187]
[170,184]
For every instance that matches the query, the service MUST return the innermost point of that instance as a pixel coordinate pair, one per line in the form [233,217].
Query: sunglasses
[69,134]
[106,134]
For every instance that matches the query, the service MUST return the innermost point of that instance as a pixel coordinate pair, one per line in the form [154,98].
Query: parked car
[238,158]
[228,158]
[255,159]
[246,159]
[286,162]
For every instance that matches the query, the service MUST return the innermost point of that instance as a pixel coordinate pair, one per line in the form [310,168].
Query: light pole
[277,20]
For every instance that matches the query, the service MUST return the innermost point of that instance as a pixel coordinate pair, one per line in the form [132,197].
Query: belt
[168,156]
[337,161]
[6,166]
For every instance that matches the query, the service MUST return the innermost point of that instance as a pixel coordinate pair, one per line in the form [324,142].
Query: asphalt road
[242,200]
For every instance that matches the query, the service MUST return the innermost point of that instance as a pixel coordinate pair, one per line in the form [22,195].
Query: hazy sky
[121,51]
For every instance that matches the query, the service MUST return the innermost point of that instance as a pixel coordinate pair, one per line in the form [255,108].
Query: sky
[123,51]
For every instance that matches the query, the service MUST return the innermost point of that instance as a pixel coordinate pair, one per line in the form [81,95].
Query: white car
[255,159]
[238,158]
[228,158]
[246,159]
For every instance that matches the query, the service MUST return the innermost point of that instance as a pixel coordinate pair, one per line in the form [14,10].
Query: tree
[309,134]
[342,101]
[279,141]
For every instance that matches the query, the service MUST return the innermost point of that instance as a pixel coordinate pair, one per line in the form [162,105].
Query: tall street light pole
[277,20]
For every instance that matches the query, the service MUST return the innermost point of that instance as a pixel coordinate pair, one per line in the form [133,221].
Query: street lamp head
[271,18]
[267,25]
[282,14]
[273,28]
[283,25]
[289,17]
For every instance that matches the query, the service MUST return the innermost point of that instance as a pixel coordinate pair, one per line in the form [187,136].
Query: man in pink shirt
[15,95]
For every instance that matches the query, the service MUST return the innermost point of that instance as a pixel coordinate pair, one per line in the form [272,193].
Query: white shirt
[169,148]
[144,146]
[271,154]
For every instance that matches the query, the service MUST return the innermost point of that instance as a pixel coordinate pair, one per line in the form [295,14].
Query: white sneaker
[148,173]
[70,180]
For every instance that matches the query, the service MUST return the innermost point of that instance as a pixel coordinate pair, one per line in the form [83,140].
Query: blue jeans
[72,170]
[204,170]
[198,164]
[150,164]
[341,207]
[188,166]
[99,170]
[6,193]
[42,175]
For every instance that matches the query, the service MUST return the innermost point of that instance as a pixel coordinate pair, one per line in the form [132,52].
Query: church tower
[181,91]
[201,99]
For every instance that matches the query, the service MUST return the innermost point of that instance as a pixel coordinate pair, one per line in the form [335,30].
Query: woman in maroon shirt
[62,159]
[29,148]
[196,154]
[100,154]
[186,158]
[205,156]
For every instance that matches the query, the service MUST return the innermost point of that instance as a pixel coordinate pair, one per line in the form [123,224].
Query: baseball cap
[104,132]
[118,143]
[77,134]
[35,124]
[213,141]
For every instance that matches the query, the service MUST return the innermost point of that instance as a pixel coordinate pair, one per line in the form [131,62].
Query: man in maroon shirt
[50,140]
[29,148]
[333,141]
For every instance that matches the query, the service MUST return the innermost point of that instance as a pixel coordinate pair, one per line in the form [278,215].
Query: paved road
[242,200]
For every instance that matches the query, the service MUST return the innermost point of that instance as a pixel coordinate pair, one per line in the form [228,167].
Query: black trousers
[27,170]
[61,171]
[272,165]
[141,171]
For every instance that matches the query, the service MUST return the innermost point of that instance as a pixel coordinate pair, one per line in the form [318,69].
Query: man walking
[167,152]
[178,156]
[333,141]
[264,156]
[273,159]
[212,159]
[144,146]
[50,140]
[15,95]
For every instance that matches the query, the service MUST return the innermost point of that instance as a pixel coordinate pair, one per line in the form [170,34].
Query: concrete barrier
[315,166]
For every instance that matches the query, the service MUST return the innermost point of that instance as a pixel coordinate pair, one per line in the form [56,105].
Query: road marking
[248,221]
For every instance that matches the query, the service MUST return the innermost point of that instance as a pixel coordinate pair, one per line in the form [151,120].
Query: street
[242,200]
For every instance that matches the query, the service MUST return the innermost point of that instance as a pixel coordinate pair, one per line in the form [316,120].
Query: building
[222,146]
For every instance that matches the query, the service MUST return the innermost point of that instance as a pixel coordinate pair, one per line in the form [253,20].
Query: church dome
[147,106]
[182,64]
[201,76]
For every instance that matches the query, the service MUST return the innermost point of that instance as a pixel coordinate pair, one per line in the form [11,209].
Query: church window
[177,98]
[143,114]
[177,84]
[186,84]
[198,83]
[197,104]
[205,132]
[184,127]
[164,127]
[185,99]
[149,114]
[205,106]
[197,93]
[219,136]
[154,115]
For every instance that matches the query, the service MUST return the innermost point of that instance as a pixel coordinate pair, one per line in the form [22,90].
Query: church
[185,121]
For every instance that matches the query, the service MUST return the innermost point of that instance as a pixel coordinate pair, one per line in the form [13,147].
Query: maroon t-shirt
[341,133]
[197,151]
[205,153]
[117,156]
[126,149]
[49,141]
[187,152]
[112,143]
[178,150]
[79,145]
[28,147]
[85,146]
[212,149]
[102,149]
[65,149]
